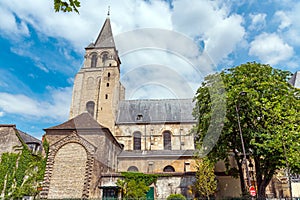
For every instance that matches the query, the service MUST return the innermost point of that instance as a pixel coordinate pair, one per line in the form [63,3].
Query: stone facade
[80,151]
[8,139]
[11,140]
[97,88]
[70,159]
[152,135]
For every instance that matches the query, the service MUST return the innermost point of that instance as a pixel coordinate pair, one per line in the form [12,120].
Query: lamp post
[242,140]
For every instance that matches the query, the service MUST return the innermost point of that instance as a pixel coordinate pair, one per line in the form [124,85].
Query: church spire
[105,37]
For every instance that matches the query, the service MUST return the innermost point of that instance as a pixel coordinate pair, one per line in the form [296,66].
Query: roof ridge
[81,121]
[156,99]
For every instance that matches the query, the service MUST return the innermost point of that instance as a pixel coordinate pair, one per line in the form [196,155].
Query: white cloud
[290,23]
[270,48]
[81,29]
[213,23]
[258,21]
[56,108]
[186,17]
[9,27]
[285,21]
[1,113]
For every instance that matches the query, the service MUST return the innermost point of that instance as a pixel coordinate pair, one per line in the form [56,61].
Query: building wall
[157,165]
[171,183]
[176,184]
[296,189]
[8,139]
[152,136]
[99,84]
[228,187]
[68,176]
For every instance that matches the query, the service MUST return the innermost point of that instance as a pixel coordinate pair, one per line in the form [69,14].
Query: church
[107,134]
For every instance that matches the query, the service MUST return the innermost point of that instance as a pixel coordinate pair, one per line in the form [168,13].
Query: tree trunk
[241,175]
[261,191]
[263,178]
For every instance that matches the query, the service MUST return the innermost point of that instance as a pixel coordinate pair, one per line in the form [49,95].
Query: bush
[176,197]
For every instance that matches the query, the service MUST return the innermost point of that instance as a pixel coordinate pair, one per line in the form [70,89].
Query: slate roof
[82,121]
[28,138]
[155,111]
[105,37]
[156,154]
[295,80]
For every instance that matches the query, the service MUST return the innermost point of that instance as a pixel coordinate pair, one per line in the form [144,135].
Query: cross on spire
[108,11]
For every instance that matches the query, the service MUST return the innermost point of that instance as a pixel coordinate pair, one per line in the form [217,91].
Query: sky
[166,48]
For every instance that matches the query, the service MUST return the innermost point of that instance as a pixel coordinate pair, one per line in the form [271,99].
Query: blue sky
[41,50]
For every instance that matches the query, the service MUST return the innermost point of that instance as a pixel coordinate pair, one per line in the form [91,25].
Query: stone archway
[68,173]
[69,167]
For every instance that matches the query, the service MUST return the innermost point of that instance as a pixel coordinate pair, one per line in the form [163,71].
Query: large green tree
[269,118]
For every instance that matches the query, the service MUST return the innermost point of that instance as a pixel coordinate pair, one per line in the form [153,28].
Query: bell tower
[97,88]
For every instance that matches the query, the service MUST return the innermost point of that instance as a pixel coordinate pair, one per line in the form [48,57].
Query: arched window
[167,140]
[90,106]
[94,60]
[136,141]
[104,56]
[169,168]
[132,169]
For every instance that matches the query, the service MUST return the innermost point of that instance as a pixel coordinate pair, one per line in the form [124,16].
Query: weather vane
[108,11]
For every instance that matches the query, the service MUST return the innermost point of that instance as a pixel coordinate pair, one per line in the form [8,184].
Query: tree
[21,173]
[135,185]
[269,118]
[206,183]
[66,6]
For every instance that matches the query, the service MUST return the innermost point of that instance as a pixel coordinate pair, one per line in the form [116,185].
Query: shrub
[176,197]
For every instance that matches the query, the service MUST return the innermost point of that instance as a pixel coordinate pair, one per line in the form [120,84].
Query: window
[104,57]
[132,169]
[106,96]
[187,167]
[107,84]
[167,140]
[108,76]
[94,60]
[137,141]
[150,166]
[169,168]
[90,106]
[139,117]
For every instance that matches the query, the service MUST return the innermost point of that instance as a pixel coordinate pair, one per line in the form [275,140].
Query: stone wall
[228,187]
[296,189]
[68,176]
[70,157]
[152,136]
[176,184]
[8,139]
[173,183]
[99,84]
[156,165]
